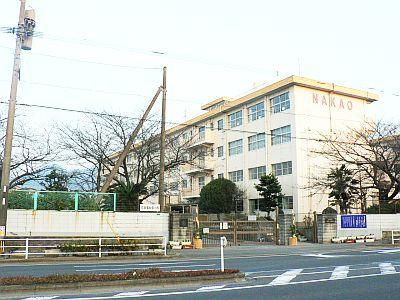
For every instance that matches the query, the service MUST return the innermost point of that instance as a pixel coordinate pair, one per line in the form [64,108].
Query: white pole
[99,247]
[222,255]
[26,248]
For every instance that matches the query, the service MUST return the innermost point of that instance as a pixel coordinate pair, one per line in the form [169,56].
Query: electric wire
[175,123]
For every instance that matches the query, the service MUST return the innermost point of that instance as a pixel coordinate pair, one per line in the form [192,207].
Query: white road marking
[340,272]
[41,298]
[387,268]
[389,251]
[131,294]
[211,288]
[242,287]
[320,255]
[133,268]
[286,277]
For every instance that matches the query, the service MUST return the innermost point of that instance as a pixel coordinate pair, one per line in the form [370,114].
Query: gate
[238,232]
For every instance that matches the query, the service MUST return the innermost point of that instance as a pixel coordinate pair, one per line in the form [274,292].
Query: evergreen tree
[218,196]
[343,188]
[271,191]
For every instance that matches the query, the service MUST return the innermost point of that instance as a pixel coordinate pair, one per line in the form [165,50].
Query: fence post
[115,201]
[276,225]
[315,227]
[99,247]
[35,200]
[165,245]
[76,201]
[235,233]
[26,248]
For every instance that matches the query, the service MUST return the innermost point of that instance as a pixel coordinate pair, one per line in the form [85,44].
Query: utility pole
[128,146]
[5,174]
[161,196]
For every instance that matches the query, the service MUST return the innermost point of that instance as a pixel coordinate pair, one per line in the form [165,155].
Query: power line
[172,123]
[89,61]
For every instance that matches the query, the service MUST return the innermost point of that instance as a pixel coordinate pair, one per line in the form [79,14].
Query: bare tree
[32,153]
[96,145]
[372,153]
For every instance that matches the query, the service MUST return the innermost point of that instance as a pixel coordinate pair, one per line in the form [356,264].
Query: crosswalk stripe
[286,277]
[387,268]
[211,288]
[340,272]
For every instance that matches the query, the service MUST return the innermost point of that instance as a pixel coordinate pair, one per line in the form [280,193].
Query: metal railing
[60,200]
[87,246]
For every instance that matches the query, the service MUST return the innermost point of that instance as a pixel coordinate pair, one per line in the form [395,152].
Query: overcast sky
[107,55]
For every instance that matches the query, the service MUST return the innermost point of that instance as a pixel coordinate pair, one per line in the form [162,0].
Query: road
[312,272]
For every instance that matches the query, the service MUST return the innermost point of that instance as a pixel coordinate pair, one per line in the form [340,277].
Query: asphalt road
[318,272]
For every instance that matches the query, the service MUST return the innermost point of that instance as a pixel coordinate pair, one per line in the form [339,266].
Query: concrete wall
[375,225]
[66,223]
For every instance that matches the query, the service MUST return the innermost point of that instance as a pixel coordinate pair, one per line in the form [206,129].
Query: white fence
[50,223]
[95,246]
[375,224]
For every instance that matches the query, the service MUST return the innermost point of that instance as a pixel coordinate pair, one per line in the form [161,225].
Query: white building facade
[272,130]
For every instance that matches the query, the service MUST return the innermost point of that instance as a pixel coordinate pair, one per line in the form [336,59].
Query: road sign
[150,207]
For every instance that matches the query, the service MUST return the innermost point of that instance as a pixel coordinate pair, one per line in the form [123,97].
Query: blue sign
[354,221]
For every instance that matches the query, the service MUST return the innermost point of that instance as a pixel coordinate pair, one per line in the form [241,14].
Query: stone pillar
[285,221]
[326,227]
[180,227]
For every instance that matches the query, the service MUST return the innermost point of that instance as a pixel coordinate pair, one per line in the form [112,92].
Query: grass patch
[152,273]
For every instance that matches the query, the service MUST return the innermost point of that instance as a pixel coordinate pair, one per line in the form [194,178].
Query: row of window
[255,205]
[257,111]
[283,168]
[257,141]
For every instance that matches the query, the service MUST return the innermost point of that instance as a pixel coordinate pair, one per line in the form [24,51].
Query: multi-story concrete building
[274,129]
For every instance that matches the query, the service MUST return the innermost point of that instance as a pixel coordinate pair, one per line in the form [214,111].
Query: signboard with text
[353,221]
[150,207]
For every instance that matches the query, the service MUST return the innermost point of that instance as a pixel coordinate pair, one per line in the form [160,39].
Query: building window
[280,103]
[254,205]
[184,183]
[236,119]
[220,151]
[220,175]
[257,172]
[236,176]
[256,141]
[282,168]
[220,124]
[256,112]
[287,202]
[281,135]
[202,182]
[235,147]
[202,132]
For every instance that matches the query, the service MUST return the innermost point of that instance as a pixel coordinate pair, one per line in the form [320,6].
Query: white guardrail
[85,246]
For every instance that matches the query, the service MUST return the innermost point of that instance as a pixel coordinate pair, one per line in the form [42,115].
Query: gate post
[276,231]
[235,232]
[315,228]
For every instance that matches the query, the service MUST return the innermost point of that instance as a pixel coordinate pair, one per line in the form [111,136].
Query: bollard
[223,245]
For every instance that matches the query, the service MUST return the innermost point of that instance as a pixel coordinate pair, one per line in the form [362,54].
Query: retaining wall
[51,223]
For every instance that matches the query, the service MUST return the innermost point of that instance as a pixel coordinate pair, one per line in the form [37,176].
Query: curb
[63,288]
[72,259]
